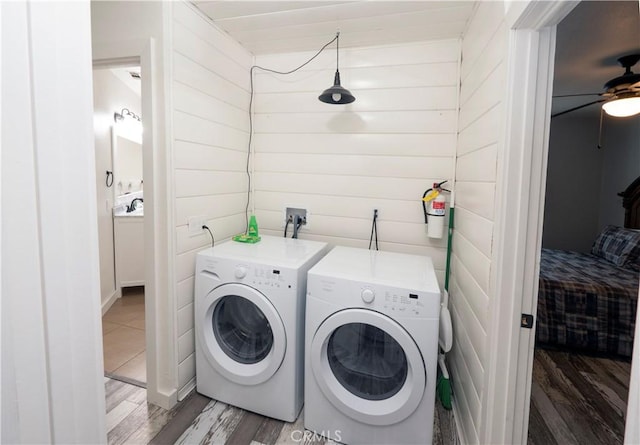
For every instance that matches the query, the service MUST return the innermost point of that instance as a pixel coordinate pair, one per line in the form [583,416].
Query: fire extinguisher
[434,208]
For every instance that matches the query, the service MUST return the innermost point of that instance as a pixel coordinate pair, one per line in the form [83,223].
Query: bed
[588,302]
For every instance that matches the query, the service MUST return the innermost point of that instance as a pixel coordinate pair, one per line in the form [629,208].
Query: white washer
[249,323]
[371,347]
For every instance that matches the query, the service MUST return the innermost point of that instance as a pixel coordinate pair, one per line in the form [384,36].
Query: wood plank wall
[343,161]
[482,79]
[210,133]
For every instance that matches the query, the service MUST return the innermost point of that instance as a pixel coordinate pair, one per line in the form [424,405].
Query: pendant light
[336,94]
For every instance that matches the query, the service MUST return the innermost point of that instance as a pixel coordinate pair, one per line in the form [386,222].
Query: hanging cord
[374,229]
[246,213]
[213,241]
[600,130]
[286,226]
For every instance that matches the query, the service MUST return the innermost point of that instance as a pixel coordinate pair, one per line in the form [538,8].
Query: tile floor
[123,336]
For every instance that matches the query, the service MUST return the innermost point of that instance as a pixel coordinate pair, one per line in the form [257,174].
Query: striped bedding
[586,303]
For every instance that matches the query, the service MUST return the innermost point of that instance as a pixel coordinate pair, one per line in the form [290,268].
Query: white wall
[483,80]
[620,167]
[583,182]
[574,176]
[341,162]
[109,95]
[210,133]
[52,382]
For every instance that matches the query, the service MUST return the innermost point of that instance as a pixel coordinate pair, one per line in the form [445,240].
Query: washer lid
[270,250]
[368,366]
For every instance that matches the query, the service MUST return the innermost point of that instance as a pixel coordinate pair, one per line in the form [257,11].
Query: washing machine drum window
[367,361]
[242,330]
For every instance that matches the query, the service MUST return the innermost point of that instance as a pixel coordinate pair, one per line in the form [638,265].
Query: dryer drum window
[242,330]
[367,361]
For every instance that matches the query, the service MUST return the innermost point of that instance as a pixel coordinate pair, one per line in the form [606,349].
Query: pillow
[616,244]
[633,261]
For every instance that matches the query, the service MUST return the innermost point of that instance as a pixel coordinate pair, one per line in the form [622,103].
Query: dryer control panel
[385,299]
[263,276]
[403,302]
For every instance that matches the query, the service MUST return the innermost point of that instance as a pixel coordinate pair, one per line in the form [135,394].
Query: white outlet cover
[195,225]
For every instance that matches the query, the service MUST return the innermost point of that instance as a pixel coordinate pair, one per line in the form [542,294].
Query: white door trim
[159,312]
[518,231]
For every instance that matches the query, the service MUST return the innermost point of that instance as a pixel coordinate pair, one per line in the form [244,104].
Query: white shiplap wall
[483,74]
[210,133]
[341,162]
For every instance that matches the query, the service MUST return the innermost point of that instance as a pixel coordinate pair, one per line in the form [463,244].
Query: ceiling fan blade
[577,108]
[576,95]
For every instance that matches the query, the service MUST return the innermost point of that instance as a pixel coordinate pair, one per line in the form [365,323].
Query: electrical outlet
[195,225]
[291,212]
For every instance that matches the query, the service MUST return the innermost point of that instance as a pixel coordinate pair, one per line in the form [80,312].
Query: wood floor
[577,399]
[200,420]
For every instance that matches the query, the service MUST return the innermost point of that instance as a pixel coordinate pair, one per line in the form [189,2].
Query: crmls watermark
[304,435]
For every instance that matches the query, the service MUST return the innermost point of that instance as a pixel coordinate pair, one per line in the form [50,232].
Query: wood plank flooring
[200,420]
[577,399]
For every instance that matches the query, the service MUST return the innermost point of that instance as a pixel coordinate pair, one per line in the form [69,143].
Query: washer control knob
[240,272]
[367,295]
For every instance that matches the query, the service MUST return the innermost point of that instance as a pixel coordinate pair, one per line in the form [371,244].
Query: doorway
[120,197]
[581,365]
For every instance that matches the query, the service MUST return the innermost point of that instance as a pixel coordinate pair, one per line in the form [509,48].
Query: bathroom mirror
[127,163]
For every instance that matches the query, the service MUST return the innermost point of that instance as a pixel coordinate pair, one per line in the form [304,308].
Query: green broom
[443,384]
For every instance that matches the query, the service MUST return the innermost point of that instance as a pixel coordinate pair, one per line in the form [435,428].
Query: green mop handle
[449,244]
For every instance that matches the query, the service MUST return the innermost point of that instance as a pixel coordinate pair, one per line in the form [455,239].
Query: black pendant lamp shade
[337,95]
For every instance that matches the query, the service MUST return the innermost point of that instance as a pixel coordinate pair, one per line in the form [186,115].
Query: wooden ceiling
[264,27]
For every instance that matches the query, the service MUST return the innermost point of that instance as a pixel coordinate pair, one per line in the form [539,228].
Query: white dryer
[371,347]
[249,323]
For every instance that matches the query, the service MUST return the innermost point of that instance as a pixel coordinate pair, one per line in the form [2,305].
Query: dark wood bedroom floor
[577,399]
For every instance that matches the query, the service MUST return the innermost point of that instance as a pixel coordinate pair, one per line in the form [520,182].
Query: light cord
[253,67]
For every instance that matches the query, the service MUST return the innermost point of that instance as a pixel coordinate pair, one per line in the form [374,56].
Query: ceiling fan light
[623,107]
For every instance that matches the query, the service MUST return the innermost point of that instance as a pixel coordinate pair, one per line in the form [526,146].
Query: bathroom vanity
[128,235]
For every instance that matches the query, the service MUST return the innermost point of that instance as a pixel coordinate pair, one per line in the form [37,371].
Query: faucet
[132,206]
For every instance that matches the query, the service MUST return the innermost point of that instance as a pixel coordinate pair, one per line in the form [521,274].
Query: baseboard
[163,400]
[186,389]
[106,305]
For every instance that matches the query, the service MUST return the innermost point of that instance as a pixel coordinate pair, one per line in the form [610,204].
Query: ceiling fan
[621,97]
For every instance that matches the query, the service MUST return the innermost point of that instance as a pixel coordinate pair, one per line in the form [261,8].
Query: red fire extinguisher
[434,206]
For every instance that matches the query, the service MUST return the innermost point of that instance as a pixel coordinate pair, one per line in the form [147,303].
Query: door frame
[520,196]
[159,313]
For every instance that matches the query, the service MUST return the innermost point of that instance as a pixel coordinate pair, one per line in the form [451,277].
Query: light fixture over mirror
[128,125]
[337,95]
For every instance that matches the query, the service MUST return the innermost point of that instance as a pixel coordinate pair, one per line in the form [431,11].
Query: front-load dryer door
[368,366]
[242,335]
